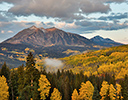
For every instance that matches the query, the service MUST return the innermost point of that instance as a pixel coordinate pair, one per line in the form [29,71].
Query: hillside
[50,42]
[112,60]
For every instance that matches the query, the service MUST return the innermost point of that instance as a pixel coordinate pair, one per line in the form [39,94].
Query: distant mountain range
[104,41]
[39,37]
[50,42]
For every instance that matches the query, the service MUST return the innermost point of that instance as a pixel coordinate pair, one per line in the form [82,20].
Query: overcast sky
[107,18]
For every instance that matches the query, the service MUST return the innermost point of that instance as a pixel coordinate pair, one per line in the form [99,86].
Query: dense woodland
[113,61]
[84,78]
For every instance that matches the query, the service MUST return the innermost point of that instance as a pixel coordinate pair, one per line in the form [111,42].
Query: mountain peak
[101,39]
[98,37]
[51,29]
[33,27]
[104,41]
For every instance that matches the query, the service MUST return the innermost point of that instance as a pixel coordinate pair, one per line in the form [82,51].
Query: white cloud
[2,31]
[10,31]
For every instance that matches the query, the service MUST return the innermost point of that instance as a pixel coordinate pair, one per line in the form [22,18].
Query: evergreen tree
[4,94]
[20,78]
[56,95]
[5,71]
[96,95]
[35,92]
[75,95]
[26,93]
[29,72]
[13,85]
[77,81]
[44,87]
[124,85]
[31,77]
[112,80]
[66,89]
[58,74]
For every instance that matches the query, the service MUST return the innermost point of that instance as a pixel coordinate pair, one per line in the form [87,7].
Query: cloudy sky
[107,18]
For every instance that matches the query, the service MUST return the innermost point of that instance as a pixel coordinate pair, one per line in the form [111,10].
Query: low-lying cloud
[52,65]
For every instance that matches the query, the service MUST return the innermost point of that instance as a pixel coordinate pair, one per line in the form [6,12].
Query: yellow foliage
[104,89]
[122,73]
[118,90]
[75,95]
[71,51]
[56,95]
[4,94]
[87,73]
[4,49]
[112,92]
[86,91]
[27,49]
[44,87]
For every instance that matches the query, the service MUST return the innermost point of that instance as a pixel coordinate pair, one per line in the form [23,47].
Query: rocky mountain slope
[48,37]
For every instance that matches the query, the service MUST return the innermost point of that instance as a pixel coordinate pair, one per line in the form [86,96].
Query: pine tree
[124,85]
[5,71]
[29,72]
[56,95]
[26,93]
[31,77]
[66,89]
[4,94]
[35,92]
[13,85]
[86,90]
[75,95]
[20,78]
[96,95]
[44,87]
[77,81]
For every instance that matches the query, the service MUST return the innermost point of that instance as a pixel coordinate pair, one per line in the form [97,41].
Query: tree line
[28,83]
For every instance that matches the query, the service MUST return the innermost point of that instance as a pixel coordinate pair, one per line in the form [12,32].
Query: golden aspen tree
[118,91]
[44,86]
[56,95]
[4,94]
[112,92]
[104,90]
[86,90]
[75,95]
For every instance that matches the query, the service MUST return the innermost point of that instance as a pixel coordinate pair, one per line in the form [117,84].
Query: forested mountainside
[112,60]
[29,83]
[50,42]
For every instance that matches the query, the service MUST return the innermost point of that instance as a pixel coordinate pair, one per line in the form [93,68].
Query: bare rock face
[48,37]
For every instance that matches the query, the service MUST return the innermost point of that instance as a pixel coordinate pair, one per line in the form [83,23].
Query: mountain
[50,42]
[104,41]
[48,37]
